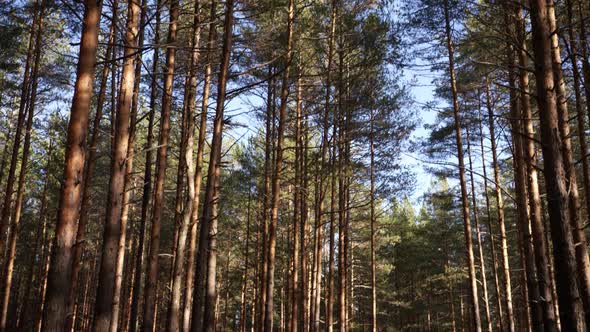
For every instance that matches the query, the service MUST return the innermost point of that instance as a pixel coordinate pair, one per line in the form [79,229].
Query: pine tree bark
[316,282]
[147,178]
[195,270]
[209,215]
[574,55]
[332,236]
[161,164]
[499,311]
[11,254]
[106,291]
[484,281]
[570,304]
[43,286]
[269,118]
[582,259]
[128,187]
[59,277]
[500,209]
[187,217]
[26,318]
[244,290]
[464,198]
[276,183]
[533,298]
[89,172]
[214,172]
[540,245]
[304,229]
[297,213]
[191,276]
[584,58]
[20,124]
[343,271]
[373,228]
[5,150]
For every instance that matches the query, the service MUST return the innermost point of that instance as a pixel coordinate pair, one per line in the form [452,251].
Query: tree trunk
[11,255]
[107,291]
[581,251]
[579,235]
[161,163]
[187,217]
[190,277]
[537,226]
[127,190]
[89,172]
[573,53]
[500,320]
[43,287]
[26,318]
[297,238]
[533,297]
[147,179]
[209,215]
[570,304]
[585,62]
[23,104]
[214,173]
[346,260]
[323,164]
[304,228]
[500,208]
[331,254]
[484,281]
[6,148]
[245,273]
[276,185]
[464,197]
[373,230]
[59,277]
[266,198]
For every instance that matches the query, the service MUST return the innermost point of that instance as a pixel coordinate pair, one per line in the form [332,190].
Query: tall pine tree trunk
[11,254]
[26,317]
[464,199]
[174,312]
[540,244]
[266,198]
[89,171]
[581,250]
[534,299]
[209,214]
[127,196]
[570,304]
[147,178]
[484,281]
[498,300]
[297,212]
[500,209]
[59,278]
[304,227]
[190,273]
[20,124]
[149,310]
[244,290]
[373,229]
[106,290]
[276,185]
